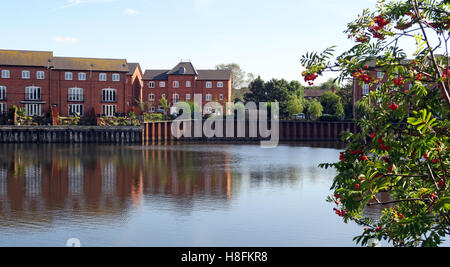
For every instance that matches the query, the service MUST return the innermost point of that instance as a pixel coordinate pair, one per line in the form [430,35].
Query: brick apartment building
[361,89]
[184,81]
[38,81]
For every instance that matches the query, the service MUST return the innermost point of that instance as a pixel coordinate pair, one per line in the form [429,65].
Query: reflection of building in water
[93,181]
[76,177]
[33,181]
[109,177]
[3,185]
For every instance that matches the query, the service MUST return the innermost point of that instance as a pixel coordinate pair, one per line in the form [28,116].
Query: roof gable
[183,68]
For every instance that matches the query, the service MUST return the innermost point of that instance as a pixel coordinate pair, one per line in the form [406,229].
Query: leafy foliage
[402,151]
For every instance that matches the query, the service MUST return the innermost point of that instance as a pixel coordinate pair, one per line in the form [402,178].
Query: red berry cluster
[341,213]
[364,158]
[446,74]
[362,39]
[442,183]
[399,81]
[383,145]
[360,75]
[310,78]
[404,26]
[380,23]
[393,107]
[342,157]
[356,152]
[419,76]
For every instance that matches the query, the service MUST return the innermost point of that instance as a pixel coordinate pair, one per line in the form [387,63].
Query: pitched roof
[216,75]
[183,68]
[158,75]
[132,68]
[186,68]
[94,64]
[25,58]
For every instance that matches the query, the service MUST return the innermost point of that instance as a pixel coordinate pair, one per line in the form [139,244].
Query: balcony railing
[76,98]
[109,100]
[33,97]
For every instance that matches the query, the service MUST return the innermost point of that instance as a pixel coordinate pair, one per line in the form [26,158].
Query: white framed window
[379,87]
[109,95]
[33,110]
[151,97]
[176,98]
[75,94]
[40,75]
[68,76]
[102,77]
[82,76]
[152,109]
[3,109]
[209,84]
[188,97]
[6,74]
[380,75]
[26,74]
[176,84]
[116,77]
[188,83]
[162,84]
[220,84]
[76,109]
[2,92]
[33,93]
[109,110]
[220,97]
[209,97]
[151,85]
[366,89]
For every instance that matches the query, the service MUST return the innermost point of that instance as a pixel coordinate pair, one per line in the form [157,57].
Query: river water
[174,195]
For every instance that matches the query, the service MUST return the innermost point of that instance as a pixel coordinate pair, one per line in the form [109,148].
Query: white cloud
[69,40]
[131,12]
[72,3]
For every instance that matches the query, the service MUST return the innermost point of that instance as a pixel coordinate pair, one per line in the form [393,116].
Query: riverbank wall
[157,132]
[289,131]
[73,134]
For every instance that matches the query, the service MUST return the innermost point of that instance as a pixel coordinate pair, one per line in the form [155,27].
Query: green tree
[241,79]
[346,94]
[332,104]
[165,104]
[403,148]
[294,105]
[315,109]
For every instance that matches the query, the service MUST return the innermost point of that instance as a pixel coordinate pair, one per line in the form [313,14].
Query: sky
[265,37]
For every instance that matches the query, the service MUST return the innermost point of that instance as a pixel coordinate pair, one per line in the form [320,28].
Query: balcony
[33,97]
[75,98]
[109,100]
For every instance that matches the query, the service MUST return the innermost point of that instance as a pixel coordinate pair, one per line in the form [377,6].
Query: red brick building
[38,81]
[183,82]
